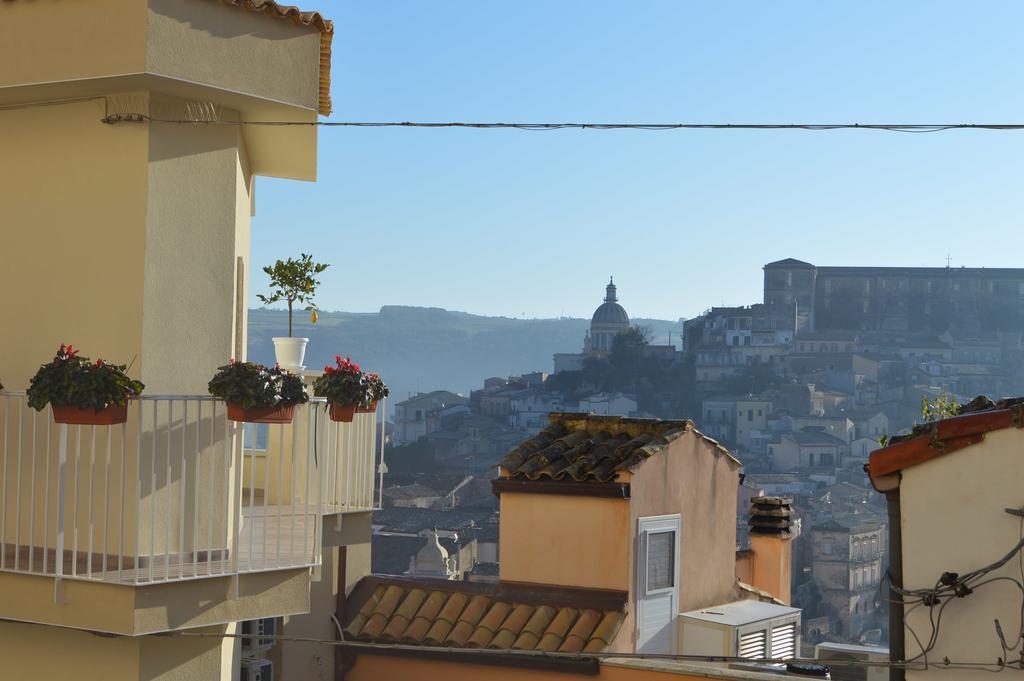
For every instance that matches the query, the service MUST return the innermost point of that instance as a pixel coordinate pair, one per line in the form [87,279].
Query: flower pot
[110,415]
[290,352]
[343,413]
[282,413]
[371,408]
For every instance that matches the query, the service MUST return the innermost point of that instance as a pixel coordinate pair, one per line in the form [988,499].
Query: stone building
[898,298]
[847,569]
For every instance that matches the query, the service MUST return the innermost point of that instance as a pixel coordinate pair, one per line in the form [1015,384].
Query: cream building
[955,506]
[127,189]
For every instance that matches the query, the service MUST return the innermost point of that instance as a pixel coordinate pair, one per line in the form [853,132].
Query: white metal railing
[175,493]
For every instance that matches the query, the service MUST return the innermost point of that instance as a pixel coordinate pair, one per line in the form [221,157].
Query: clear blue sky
[510,222]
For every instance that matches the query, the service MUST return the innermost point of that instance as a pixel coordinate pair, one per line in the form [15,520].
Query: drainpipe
[897,647]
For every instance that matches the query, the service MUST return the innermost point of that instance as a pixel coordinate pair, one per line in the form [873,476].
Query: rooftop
[483,615]
[932,440]
[742,612]
[587,448]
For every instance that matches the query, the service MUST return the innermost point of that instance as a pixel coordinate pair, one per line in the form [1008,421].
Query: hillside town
[821,482]
[800,387]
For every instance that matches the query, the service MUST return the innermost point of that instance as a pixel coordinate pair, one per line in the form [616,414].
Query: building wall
[237,46]
[538,532]
[378,667]
[953,520]
[77,257]
[197,201]
[664,484]
[84,40]
[34,652]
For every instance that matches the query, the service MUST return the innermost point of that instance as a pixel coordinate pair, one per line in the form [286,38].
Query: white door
[657,603]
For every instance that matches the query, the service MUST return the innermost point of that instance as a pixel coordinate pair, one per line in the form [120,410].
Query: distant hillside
[417,348]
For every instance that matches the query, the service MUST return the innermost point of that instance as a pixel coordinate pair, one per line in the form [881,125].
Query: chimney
[771,543]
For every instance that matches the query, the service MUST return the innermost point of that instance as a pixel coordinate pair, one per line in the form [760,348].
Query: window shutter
[784,641]
[752,645]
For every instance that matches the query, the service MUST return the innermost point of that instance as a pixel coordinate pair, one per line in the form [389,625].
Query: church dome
[610,312]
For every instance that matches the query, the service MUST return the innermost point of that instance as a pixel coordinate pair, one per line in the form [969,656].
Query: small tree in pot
[258,394]
[83,392]
[344,385]
[294,282]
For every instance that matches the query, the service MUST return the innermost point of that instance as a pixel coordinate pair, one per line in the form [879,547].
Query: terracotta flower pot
[283,413]
[343,413]
[371,408]
[110,415]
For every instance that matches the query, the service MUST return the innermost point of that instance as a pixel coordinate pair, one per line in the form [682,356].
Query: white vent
[752,645]
[784,642]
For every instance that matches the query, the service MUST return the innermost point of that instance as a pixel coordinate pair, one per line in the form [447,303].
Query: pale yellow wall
[51,41]
[565,540]
[241,51]
[953,520]
[73,193]
[191,219]
[36,652]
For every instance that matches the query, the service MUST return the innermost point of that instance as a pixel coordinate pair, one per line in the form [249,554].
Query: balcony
[175,495]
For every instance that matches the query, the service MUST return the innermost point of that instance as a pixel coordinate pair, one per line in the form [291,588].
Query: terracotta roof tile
[586,448]
[488,627]
[402,617]
[556,631]
[530,635]
[313,19]
[605,632]
[446,619]
[580,632]
[498,616]
[423,620]
[509,630]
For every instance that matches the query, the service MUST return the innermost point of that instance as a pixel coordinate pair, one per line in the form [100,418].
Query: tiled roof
[313,19]
[586,448]
[480,615]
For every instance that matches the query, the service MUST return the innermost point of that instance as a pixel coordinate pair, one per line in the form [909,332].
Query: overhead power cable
[890,127]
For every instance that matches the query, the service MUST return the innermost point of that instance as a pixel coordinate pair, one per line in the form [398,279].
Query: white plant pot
[290,352]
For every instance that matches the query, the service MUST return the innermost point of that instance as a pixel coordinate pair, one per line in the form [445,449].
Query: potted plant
[344,386]
[293,281]
[376,390]
[258,394]
[83,392]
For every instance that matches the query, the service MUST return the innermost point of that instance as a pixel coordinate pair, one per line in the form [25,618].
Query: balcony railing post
[58,560]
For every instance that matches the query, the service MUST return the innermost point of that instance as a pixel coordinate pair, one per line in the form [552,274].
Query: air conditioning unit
[837,652]
[257,670]
[749,629]
[259,634]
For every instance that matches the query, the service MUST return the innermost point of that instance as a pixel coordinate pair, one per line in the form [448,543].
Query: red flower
[100,362]
[231,362]
[71,352]
[355,368]
[337,359]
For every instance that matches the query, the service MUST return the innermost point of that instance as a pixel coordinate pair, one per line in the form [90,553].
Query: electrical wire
[890,127]
[950,586]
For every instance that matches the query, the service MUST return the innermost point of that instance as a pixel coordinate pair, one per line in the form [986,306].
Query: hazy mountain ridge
[417,348]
